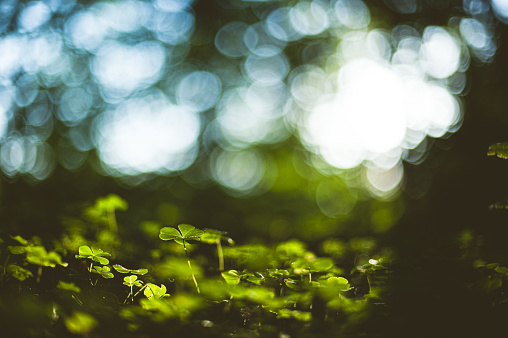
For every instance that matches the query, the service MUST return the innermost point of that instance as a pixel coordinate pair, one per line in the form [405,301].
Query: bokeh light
[147,134]
[154,89]
[383,100]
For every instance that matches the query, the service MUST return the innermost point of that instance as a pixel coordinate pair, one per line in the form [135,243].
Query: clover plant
[132,281]
[284,281]
[211,236]
[35,254]
[104,271]
[103,211]
[184,234]
[94,254]
[153,291]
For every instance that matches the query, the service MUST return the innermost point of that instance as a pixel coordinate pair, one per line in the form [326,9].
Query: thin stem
[126,298]
[144,286]
[39,273]
[113,226]
[220,253]
[133,294]
[369,283]
[80,303]
[190,266]
[90,270]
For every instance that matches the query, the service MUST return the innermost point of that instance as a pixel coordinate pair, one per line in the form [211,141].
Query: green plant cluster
[183,286]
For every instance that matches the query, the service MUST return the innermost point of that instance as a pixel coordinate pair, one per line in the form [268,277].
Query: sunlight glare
[148,135]
[121,68]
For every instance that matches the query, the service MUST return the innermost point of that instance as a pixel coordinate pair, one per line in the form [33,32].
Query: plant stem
[126,298]
[113,226]
[220,253]
[190,266]
[144,286]
[39,273]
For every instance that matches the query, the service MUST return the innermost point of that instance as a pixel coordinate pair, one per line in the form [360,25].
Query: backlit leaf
[231,277]
[122,269]
[68,286]
[19,273]
[85,251]
[190,232]
[20,239]
[168,234]
[80,323]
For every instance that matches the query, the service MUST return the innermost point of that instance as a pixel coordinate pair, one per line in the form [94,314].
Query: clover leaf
[95,254]
[104,271]
[18,272]
[121,269]
[68,286]
[184,233]
[132,280]
[231,277]
[153,291]
[211,236]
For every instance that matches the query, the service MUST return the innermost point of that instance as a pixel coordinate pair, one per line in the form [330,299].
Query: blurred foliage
[291,284]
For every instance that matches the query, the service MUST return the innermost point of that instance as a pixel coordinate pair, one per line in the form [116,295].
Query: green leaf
[231,277]
[132,280]
[94,254]
[291,248]
[168,234]
[100,252]
[18,272]
[338,282]
[300,266]
[80,323]
[101,260]
[190,232]
[121,269]
[85,251]
[104,271]
[211,236]
[298,315]
[499,149]
[140,271]
[68,286]
[153,292]
[502,270]
[186,232]
[115,202]
[256,278]
[20,239]
[322,264]
[275,273]
[16,250]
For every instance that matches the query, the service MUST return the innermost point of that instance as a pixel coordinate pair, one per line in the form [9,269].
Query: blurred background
[288,118]
[362,121]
